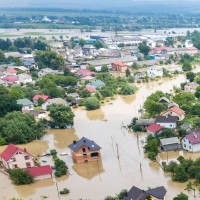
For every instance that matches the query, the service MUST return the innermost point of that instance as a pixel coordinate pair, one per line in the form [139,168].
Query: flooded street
[96,180]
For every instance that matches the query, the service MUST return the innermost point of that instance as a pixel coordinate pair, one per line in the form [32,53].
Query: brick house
[119,66]
[85,150]
[15,157]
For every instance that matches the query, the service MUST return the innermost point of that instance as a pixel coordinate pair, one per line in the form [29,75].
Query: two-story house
[85,150]
[15,157]
[191,142]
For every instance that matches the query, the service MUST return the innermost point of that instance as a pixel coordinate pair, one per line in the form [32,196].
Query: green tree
[61,115]
[20,176]
[197,92]
[98,44]
[49,59]
[186,66]
[190,76]
[180,174]
[128,73]
[17,92]
[144,48]
[181,196]
[91,103]
[126,90]
[18,128]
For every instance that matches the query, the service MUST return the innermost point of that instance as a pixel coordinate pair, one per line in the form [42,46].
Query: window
[95,154]
[15,166]
[28,164]
[84,150]
[13,159]
[26,157]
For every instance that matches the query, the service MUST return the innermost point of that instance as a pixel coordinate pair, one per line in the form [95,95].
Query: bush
[64,191]
[126,90]
[181,196]
[20,176]
[60,167]
[92,103]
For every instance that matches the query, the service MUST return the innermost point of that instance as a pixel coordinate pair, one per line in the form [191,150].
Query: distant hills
[131,6]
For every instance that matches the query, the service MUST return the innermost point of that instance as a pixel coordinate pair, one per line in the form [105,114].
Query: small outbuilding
[170,144]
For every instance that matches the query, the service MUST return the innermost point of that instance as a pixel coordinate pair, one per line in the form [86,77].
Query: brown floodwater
[94,181]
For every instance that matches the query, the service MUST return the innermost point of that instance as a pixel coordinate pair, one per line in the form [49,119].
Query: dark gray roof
[166,119]
[158,192]
[136,194]
[145,122]
[76,145]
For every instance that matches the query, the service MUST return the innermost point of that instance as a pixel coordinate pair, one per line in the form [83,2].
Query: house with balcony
[15,157]
[85,150]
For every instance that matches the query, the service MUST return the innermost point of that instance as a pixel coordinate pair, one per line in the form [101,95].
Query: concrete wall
[168,125]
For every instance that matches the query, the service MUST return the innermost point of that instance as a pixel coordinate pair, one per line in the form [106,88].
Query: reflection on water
[89,170]
[29,190]
[95,114]
[60,138]
[36,147]
[128,99]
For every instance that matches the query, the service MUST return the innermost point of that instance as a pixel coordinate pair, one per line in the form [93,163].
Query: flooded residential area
[99,100]
[123,160]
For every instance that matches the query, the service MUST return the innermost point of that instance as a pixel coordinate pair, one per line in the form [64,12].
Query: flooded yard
[94,181]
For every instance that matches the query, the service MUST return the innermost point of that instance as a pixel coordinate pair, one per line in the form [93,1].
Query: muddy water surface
[117,171]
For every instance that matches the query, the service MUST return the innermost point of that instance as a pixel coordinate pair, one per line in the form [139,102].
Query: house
[38,114]
[145,122]
[53,101]
[153,72]
[139,75]
[174,111]
[10,71]
[186,127]
[90,89]
[119,66]
[15,157]
[190,87]
[85,150]
[26,104]
[40,172]
[97,84]
[46,71]
[170,144]
[167,121]
[39,96]
[84,73]
[191,142]
[155,129]
[11,79]
[25,78]
[136,193]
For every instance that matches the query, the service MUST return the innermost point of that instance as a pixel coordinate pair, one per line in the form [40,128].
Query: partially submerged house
[191,142]
[119,66]
[167,121]
[26,104]
[145,122]
[85,150]
[174,111]
[191,87]
[53,101]
[14,157]
[155,129]
[169,144]
[136,193]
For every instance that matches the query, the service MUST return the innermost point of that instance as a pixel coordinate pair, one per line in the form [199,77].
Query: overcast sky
[100,4]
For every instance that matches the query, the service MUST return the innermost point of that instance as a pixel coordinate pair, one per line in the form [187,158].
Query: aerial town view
[100,100]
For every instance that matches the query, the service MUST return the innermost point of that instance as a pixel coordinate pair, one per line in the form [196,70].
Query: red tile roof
[11,70]
[154,128]
[91,89]
[194,138]
[176,110]
[40,96]
[10,78]
[40,170]
[120,63]
[10,150]
[84,72]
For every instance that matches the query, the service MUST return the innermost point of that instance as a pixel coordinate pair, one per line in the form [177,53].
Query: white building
[191,142]
[153,72]
[167,121]
[25,78]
